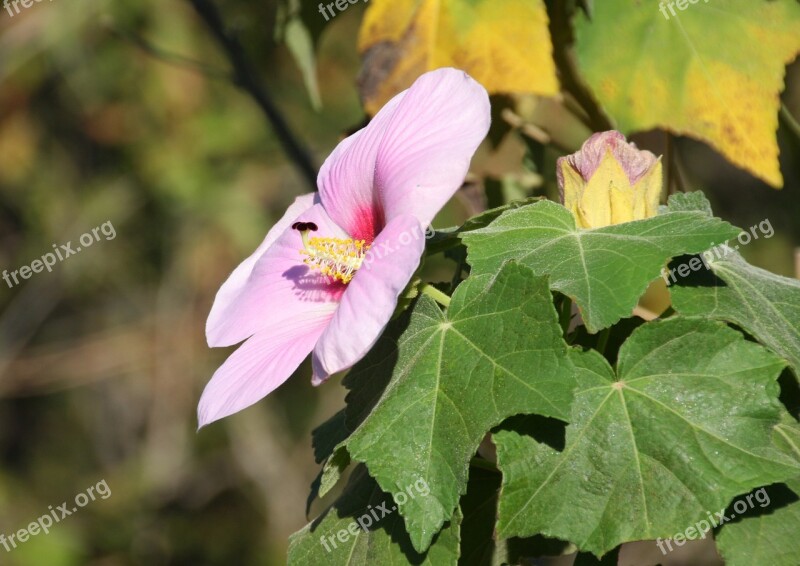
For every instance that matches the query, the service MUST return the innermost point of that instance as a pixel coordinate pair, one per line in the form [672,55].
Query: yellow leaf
[504,44]
[711,70]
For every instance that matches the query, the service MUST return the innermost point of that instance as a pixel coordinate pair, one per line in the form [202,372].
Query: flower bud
[609,181]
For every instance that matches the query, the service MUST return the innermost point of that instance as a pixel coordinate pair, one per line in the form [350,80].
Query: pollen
[337,258]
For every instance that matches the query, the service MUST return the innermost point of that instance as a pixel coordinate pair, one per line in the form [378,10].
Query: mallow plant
[542,414]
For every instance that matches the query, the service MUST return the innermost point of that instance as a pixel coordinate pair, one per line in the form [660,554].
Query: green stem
[435,294]
[457,276]
[602,340]
[477,462]
[565,316]
[790,120]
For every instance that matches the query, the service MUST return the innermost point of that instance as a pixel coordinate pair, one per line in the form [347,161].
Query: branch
[168,57]
[562,37]
[246,78]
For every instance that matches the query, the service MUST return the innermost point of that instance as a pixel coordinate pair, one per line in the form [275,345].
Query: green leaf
[301,46]
[498,351]
[448,237]
[336,538]
[486,217]
[768,536]
[681,427]
[328,435]
[479,504]
[369,378]
[712,70]
[326,439]
[787,437]
[366,383]
[604,270]
[764,304]
[299,26]
[478,544]
[333,470]
[694,201]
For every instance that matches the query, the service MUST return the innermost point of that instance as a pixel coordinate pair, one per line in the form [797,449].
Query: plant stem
[247,79]
[435,294]
[168,57]
[564,58]
[790,120]
[670,182]
[602,340]
[565,316]
[456,276]
[483,464]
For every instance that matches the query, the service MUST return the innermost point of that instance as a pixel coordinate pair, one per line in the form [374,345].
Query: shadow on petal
[310,286]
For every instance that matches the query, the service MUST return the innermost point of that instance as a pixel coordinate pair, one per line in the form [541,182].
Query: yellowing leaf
[504,44]
[712,71]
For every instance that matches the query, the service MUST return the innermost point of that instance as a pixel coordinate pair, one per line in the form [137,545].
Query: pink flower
[327,276]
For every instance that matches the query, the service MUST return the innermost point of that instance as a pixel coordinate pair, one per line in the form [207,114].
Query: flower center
[338,258]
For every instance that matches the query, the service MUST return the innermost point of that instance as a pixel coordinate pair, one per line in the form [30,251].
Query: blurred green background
[103,360]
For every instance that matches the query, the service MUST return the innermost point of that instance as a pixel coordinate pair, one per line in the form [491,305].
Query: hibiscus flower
[327,277]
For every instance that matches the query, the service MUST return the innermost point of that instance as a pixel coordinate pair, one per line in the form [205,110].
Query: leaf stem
[435,294]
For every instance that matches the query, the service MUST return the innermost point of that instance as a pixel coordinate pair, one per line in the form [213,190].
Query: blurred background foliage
[125,112]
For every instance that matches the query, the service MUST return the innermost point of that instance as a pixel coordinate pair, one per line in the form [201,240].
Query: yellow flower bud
[609,181]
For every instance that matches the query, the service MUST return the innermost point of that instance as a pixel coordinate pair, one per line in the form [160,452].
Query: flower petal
[238,278]
[427,147]
[278,286]
[634,162]
[346,179]
[261,364]
[371,297]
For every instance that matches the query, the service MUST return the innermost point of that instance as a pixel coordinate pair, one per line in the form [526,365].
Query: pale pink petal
[635,162]
[262,364]
[427,147]
[370,298]
[236,281]
[346,178]
[279,286]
